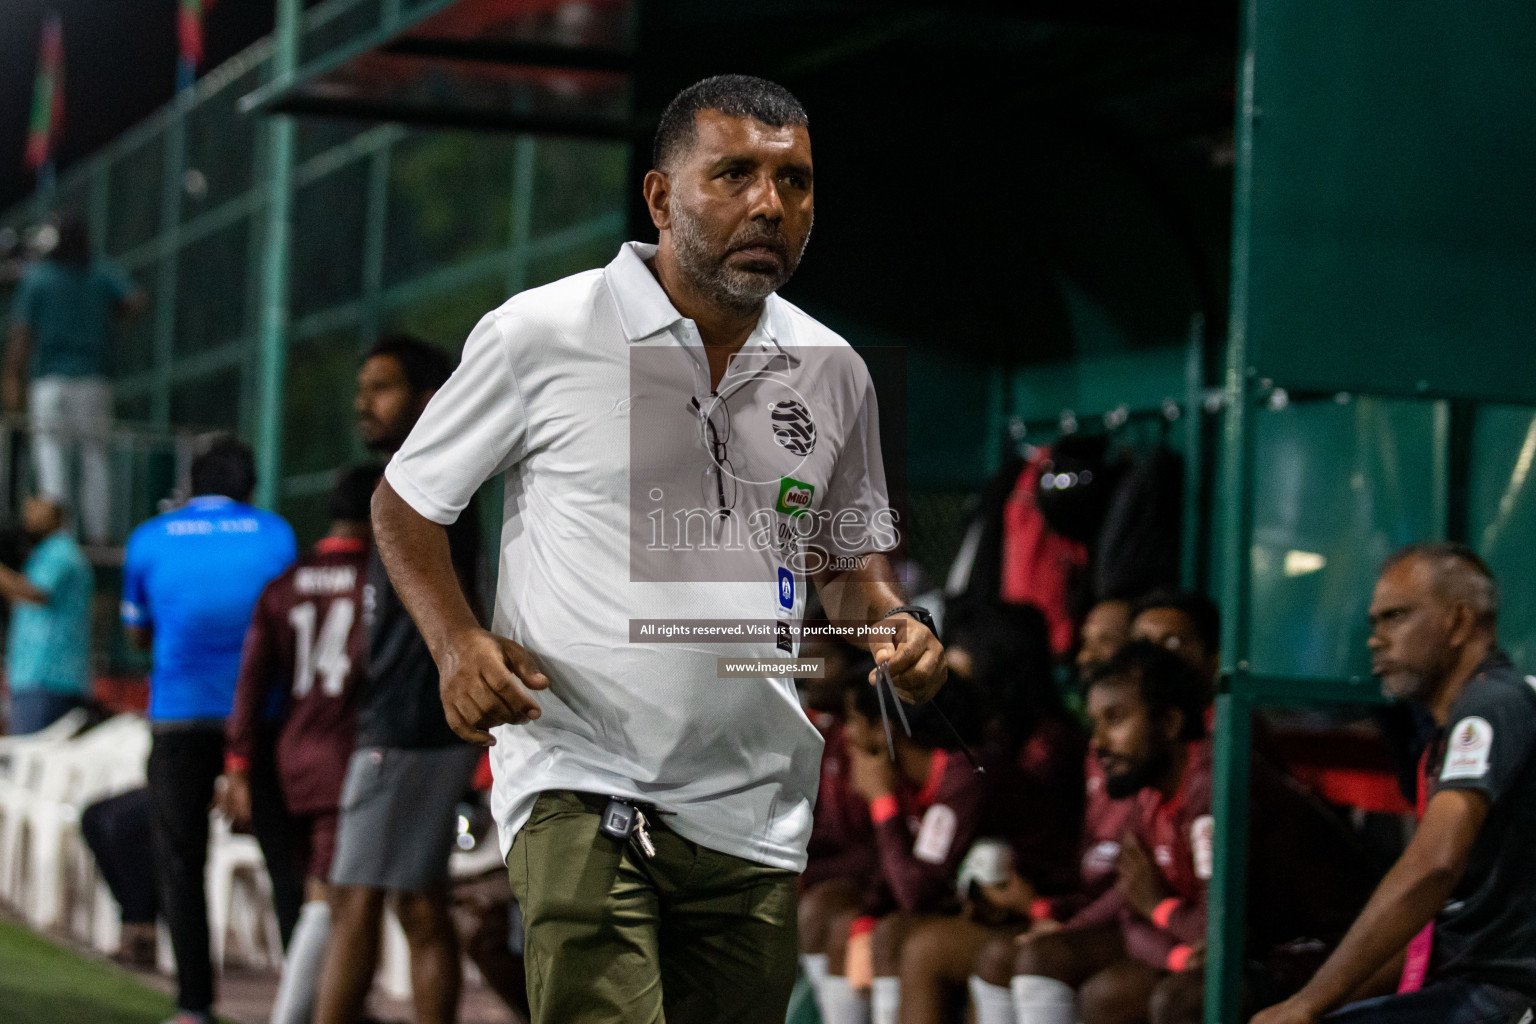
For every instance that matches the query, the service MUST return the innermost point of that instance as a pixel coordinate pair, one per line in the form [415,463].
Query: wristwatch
[920,614]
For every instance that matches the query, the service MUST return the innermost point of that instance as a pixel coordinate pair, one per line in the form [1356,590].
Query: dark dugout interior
[1007,184]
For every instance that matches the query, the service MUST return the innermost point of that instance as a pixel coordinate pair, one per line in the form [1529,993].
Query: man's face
[1105,631]
[739,207]
[39,517]
[1411,632]
[1133,748]
[386,406]
[1171,628]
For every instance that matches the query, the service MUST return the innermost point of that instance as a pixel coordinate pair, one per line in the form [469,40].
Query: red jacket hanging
[1038,563]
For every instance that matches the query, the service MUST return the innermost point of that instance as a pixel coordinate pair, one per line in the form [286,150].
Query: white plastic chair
[115,762]
[21,766]
[240,898]
[43,784]
[61,729]
[90,766]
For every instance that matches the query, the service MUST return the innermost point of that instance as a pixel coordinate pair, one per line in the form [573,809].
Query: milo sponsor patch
[795,496]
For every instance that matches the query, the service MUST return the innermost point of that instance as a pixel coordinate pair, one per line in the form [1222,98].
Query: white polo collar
[645,310]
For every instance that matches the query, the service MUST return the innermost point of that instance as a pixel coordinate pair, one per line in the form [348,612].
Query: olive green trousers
[687,936]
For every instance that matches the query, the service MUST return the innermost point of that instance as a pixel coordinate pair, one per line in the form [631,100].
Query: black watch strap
[919,613]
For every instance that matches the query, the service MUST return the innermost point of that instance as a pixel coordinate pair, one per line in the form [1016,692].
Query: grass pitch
[40,983]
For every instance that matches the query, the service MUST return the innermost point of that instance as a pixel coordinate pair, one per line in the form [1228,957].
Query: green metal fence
[423,231]
[392,229]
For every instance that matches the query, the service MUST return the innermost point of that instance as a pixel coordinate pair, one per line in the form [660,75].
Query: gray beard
[1407,685]
[708,272]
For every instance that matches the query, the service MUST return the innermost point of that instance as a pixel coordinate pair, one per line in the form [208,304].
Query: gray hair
[1460,576]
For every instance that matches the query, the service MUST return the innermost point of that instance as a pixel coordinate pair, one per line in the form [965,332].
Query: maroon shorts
[314,841]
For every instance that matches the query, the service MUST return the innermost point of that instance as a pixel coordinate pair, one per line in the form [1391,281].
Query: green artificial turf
[40,983]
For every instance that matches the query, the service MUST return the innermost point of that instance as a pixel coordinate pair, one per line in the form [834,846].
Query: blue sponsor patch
[786,589]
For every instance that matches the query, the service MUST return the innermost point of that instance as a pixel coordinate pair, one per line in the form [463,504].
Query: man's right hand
[484,683]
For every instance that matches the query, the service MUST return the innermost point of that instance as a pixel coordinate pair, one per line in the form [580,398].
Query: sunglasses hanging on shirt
[883,682]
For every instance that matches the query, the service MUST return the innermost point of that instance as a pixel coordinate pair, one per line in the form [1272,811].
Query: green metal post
[170,257]
[375,227]
[525,156]
[1461,431]
[1440,449]
[1194,452]
[1229,877]
[1229,801]
[272,333]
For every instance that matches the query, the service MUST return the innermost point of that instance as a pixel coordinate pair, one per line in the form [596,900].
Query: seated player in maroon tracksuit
[1135,954]
[1032,818]
[925,808]
[840,857]
[1094,901]
[841,851]
[307,647]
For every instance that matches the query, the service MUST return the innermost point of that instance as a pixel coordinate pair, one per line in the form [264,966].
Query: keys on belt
[623,821]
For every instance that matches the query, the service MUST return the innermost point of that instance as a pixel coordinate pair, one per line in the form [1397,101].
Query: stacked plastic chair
[99,763]
[240,899]
[23,760]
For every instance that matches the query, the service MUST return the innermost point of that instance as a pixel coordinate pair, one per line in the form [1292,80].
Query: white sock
[993,1003]
[885,1000]
[301,967]
[841,1004]
[815,967]
[1038,1000]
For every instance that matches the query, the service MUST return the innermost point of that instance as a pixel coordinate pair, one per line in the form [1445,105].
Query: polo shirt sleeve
[135,604]
[474,427]
[859,506]
[258,676]
[49,570]
[1490,741]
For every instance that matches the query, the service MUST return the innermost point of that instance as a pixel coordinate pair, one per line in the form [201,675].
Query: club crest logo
[793,428]
[1469,751]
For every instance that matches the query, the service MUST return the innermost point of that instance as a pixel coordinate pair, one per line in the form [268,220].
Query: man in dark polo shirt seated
[1452,928]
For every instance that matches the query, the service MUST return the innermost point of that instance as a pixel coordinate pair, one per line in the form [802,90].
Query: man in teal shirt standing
[61,337]
[48,651]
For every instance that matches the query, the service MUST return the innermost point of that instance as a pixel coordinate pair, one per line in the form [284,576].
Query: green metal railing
[275,248]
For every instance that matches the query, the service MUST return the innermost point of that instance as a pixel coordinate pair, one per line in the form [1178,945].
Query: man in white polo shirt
[678,444]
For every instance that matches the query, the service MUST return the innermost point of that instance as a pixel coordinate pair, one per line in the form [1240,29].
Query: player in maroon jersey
[923,807]
[1051,773]
[307,641]
[1139,959]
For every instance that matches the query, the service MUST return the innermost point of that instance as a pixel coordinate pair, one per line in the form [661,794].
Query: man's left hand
[916,662]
